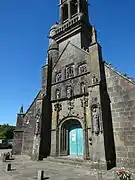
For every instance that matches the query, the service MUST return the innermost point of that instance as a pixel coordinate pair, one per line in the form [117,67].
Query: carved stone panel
[82,69]
[69,92]
[94,80]
[95,120]
[58,77]
[57,94]
[82,88]
[69,71]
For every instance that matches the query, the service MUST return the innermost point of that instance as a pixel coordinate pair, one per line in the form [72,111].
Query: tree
[6,131]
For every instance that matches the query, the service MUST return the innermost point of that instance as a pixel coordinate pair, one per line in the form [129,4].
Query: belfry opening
[71,138]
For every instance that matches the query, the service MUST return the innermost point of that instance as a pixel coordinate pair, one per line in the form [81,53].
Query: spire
[21,110]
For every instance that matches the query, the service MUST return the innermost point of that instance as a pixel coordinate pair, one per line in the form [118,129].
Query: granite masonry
[85,108]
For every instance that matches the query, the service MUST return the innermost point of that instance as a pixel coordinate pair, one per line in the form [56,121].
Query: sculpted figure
[94,80]
[37,124]
[82,88]
[58,77]
[57,94]
[69,92]
[95,120]
[69,72]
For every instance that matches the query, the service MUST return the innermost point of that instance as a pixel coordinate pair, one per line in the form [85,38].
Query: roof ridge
[80,48]
[119,73]
[61,54]
[32,102]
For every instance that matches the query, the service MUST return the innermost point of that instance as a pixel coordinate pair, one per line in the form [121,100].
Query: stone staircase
[78,161]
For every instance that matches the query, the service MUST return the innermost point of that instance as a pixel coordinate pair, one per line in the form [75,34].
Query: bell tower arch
[71,8]
[74,24]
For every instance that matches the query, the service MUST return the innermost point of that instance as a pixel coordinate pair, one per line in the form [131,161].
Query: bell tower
[74,24]
[71,8]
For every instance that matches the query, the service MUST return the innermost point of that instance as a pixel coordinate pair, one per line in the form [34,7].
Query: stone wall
[17,142]
[122,96]
[29,127]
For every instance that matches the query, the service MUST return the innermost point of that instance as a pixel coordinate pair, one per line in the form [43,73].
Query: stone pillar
[57,109]
[69,10]
[8,167]
[78,7]
[61,14]
[86,147]
[40,175]
[36,146]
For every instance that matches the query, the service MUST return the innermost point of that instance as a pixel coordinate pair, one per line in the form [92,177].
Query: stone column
[57,109]
[85,105]
[61,14]
[69,10]
[78,6]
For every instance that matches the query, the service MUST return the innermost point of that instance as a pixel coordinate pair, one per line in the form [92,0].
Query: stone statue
[58,77]
[37,124]
[95,120]
[94,80]
[69,72]
[57,94]
[69,92]
[82,69]
[82,88]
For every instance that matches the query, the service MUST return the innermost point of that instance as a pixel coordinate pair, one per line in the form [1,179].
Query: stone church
[85,108]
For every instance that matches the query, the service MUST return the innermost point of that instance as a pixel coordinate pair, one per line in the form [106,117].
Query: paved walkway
[25,169]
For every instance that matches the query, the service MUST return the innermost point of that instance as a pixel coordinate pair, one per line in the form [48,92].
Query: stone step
[78,161]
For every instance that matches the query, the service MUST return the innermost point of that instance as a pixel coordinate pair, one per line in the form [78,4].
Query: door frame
[66,123]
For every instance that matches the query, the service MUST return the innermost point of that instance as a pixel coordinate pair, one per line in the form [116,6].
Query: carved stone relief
[82,69]
[94,80]
[94,100]
[69,71]
[95,120]
[37,117]
[57,94]
[27,120]
[58,77]
[82,88]
[58,107]
[69,92]
[70,105]
[84,102]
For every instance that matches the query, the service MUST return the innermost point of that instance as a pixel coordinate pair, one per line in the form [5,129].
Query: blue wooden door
[76,141]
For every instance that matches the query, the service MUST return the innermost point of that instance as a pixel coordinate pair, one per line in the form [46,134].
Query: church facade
[85,108]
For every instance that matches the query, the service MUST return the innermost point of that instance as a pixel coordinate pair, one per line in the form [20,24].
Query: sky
[24,27]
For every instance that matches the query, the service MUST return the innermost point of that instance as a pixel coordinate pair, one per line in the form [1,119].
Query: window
[58,77]
[65,12]
[69,71]
[82,69]
[73,7]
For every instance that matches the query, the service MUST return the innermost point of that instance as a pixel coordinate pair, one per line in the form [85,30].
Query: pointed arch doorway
[71,138]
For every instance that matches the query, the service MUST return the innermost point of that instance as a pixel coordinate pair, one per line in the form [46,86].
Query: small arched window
[73,7]
[65,12]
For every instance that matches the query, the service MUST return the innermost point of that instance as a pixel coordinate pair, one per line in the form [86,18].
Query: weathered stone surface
[122,113]
[74,82]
